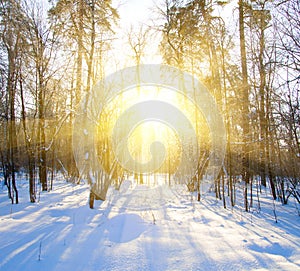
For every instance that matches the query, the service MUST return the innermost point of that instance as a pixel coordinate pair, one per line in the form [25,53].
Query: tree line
[52,53]
[253,73]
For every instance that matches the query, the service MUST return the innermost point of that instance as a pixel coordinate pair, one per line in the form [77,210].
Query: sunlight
[153,129]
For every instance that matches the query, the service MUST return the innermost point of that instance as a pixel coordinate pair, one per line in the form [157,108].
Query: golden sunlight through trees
[150,130]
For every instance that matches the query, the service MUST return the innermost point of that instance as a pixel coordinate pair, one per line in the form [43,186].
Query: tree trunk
[245,101]
[11,90]
[27,140]
[42,137]
[79,53]
[223,191]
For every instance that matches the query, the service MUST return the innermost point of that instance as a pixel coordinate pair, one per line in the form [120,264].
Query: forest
[52,54]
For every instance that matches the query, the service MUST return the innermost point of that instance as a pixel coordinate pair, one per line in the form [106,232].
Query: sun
[150,141]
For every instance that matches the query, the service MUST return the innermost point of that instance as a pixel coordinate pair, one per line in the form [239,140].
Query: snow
[143,227]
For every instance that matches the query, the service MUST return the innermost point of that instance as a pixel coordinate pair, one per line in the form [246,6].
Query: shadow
[275,249]
[124,228]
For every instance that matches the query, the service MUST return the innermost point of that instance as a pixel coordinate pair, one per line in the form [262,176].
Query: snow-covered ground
[144,228]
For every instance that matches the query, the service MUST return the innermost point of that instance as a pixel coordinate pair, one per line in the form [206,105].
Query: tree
[87,24]
[196,40]
[245,100]
[43,42]
[11,22]
[286,114]
[138,40]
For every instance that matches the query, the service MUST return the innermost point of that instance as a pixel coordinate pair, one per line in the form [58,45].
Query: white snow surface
[143,227]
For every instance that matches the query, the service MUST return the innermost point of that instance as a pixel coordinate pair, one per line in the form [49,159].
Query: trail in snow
[144,228]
